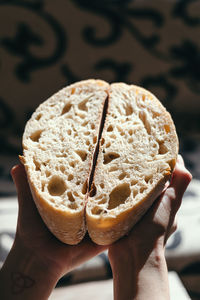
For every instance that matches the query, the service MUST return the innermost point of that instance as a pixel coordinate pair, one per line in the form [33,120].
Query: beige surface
[99,290]
[177,289]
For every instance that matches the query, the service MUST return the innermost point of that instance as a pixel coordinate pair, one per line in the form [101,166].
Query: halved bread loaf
[127,151]
[137,154]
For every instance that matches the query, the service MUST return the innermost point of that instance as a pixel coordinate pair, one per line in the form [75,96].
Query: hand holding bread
[138,260]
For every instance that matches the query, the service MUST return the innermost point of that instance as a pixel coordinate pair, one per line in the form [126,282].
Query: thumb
[180,180]
[25,199]
[174,193]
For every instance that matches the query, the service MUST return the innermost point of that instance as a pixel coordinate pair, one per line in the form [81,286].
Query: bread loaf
[96,157]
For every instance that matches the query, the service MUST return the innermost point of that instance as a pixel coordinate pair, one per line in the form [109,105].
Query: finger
[19,177]
[171,230]
[181,178]
[174,194]
[180,160]
[25,200]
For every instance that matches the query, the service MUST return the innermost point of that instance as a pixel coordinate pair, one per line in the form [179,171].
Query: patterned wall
[46,44]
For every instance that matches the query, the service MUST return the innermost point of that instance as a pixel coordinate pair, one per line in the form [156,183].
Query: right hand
[153,230]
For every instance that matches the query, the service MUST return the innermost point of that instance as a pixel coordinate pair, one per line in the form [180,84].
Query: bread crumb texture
[134,156]
[138,148]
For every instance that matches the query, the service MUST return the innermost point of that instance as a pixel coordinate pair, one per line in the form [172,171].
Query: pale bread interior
[59,143]
[137,151]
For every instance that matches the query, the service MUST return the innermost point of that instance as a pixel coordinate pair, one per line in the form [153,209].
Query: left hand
[34,236]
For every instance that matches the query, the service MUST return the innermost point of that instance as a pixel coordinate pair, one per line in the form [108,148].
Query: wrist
[26,276]
[151,257]
[137,255]
[135,269]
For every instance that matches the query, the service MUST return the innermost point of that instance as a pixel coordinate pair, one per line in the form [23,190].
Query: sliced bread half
[137,155]
[59,142]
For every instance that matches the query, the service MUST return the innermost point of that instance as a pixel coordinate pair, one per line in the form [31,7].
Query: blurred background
[46,45]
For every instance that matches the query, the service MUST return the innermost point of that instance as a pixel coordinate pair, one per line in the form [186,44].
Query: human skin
[38,260]
[138,259]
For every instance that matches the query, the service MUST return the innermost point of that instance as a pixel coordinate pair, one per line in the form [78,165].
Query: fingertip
[19,177]
[180,168]
[188,175]
[180,179]
[13,170]
[181,171]
[180,160]
[17,170]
